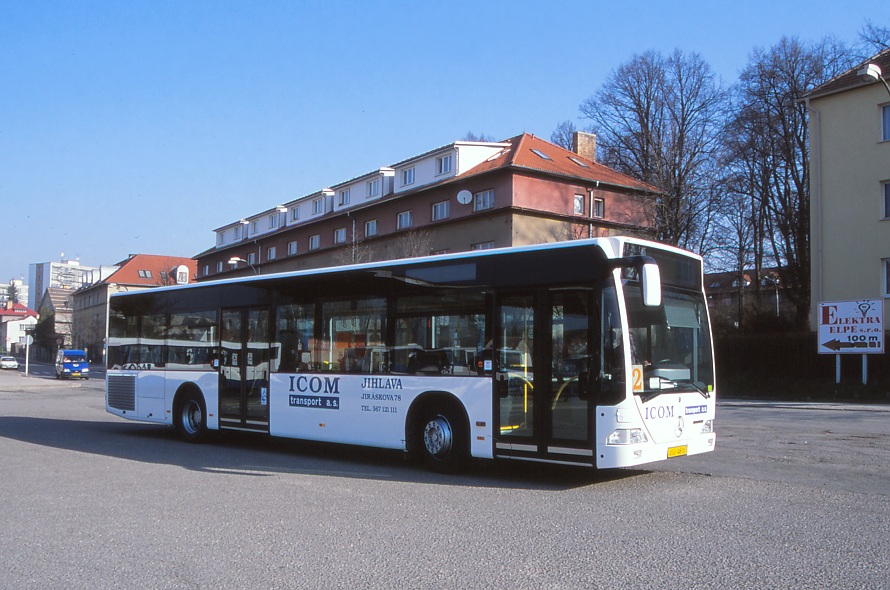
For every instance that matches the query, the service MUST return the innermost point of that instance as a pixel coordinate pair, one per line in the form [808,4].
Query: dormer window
[408,176]
[374,187]
[445,164]
[273,221]
[239,232]
[295,214]
[343,197]
[317,206]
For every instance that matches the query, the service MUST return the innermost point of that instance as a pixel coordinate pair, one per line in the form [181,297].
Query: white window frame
[271,252]
[599,207]
[483,200]
[220,238]
[273,221]
[255,227]
[239,232]
[373,188]
[206,270]
[295,214]
[343,197]
[408,176]
[251,258]
[444,164]
[340,235]
[370,228]
[404,220]
[315,242]
[579,205]
[219,266]
[292,248]
[441,210]
[318,206]
[482,245]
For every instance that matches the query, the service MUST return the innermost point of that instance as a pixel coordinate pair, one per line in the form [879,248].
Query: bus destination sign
[851,327]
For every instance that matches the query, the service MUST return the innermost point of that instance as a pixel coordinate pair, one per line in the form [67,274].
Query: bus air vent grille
[122,392]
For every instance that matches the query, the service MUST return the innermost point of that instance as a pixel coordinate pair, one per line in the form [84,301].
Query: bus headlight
[627,436]
[707,427]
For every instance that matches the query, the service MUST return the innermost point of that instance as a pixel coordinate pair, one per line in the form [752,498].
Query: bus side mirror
[651,285]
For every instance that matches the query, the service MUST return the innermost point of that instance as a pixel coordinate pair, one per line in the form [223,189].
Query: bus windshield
[670,342]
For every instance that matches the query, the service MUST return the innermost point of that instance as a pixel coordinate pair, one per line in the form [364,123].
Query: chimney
[584,144]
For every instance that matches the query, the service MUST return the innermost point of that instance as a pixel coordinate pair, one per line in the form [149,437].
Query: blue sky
[141,126]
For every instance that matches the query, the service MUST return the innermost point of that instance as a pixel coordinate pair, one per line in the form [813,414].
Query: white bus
[594,352]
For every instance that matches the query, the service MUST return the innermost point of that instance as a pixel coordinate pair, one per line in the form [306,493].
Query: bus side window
[295,338]
[353,337]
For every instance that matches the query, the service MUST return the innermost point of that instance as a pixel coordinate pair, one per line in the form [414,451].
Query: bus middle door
[244,369]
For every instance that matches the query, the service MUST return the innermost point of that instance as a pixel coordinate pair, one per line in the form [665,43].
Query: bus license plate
[676,451]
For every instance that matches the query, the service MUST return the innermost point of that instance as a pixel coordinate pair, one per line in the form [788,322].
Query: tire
[441,439]
[191,417]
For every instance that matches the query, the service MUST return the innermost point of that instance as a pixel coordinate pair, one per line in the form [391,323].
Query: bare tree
[470,136]
[873,39]
[659,119]
[564,134]
[767,166]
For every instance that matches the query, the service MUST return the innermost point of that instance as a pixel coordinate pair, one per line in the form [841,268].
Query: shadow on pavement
[240,455]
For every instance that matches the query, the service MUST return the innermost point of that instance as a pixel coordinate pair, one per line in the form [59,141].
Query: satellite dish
[464,197]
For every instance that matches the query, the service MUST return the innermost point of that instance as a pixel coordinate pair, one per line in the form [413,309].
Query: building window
[885,186]
[295,214]
[343,197]
[273,221]
[438,252]
[885,111]
[482,246]
[251,258]
[219,266]
[206,270]
[445,164]
[270,253]
[340,235]
[317,206]
[371,228]
[221,238]
[886,262]
[314,242]
[599,207]
[239,231]
[483,200]
[373,188]
[579,205]
[144,274]
[404,220]
[291,248]
[408,176]
[255,227]
[441,210]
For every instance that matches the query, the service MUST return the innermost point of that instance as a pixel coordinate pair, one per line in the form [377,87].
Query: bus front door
[244,369]
[542,376]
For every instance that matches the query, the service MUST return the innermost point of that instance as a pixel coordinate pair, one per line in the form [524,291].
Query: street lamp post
[234,260]
[872,73]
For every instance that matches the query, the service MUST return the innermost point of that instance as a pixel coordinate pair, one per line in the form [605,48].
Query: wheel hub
[437,437]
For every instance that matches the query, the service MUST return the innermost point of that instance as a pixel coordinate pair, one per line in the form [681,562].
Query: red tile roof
[150,266]
[849,79]
[17,310]
[525,152]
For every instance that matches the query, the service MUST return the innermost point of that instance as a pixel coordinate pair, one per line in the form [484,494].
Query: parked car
[8,362]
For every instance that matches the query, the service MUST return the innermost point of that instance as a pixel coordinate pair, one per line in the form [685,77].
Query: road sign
[851,327]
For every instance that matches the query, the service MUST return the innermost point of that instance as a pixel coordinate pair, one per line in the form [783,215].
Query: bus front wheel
[442,440]
[191,417]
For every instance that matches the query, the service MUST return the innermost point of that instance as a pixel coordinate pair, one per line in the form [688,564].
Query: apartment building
[850,185]
[461,196]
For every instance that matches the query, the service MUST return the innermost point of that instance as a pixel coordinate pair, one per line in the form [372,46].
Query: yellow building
[850,186]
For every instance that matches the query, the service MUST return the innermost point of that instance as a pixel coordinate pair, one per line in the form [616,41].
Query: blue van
[72,363]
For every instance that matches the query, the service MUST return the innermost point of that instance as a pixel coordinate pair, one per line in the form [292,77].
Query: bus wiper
[704,393]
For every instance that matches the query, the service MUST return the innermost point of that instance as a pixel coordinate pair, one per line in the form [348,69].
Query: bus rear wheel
[191,417]
[442,440]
